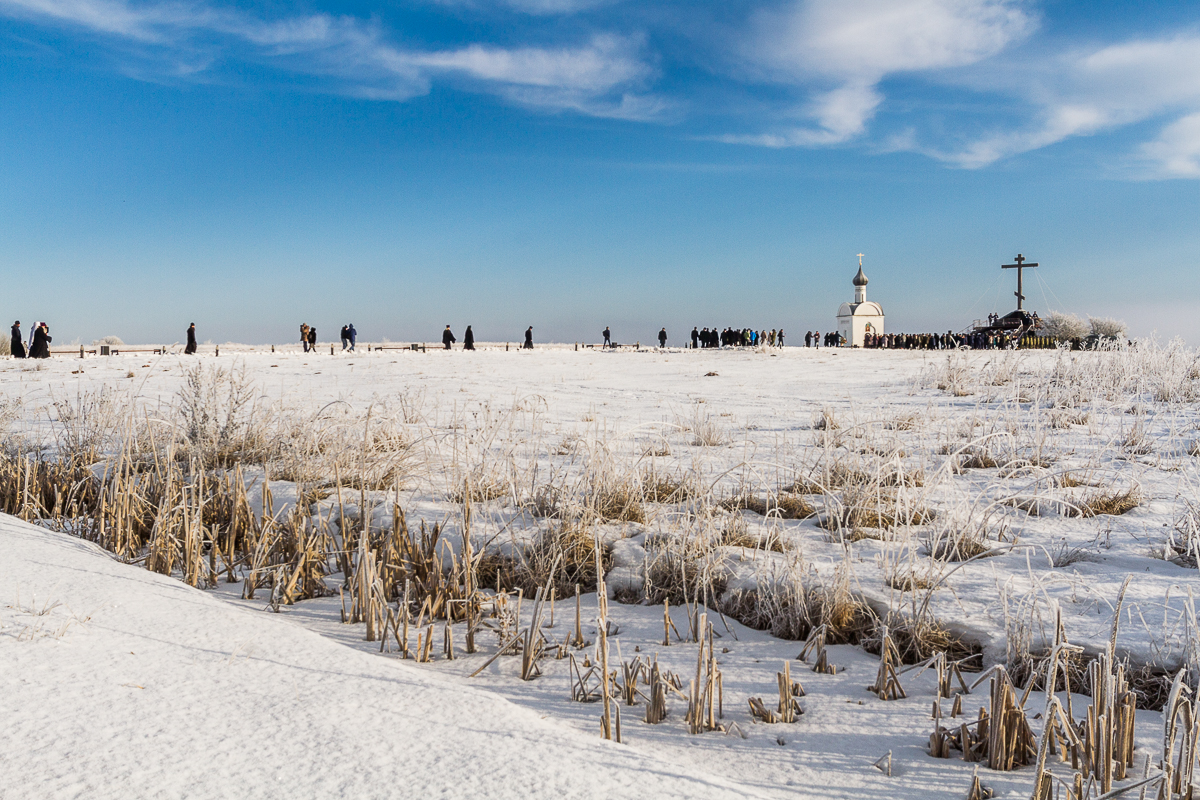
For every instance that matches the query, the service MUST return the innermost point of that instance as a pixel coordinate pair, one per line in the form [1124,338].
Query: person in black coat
[41,342]
[345,336]
[662,338]
[607,337]
[312,339]
[18,346]
[191,343]
[469,339]
[448,337]
[695,338]
[529,338]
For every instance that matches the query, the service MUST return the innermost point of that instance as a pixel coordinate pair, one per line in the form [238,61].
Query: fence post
[218,349]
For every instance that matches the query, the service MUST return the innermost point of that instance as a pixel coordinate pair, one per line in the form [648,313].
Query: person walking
[345,333]
[190,350]
[41,342]
[312,340]
[448,338]
[662,338]
[528,338]
[18,347]
[304,335]
[607,337]
[695,338]
[779,338]
[352,335]
[469,339]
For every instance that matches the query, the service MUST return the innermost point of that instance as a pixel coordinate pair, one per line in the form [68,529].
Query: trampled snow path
[121,683]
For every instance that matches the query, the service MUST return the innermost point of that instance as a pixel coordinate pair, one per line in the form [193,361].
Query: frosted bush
[1064,327]
[1107,327]
[112,341]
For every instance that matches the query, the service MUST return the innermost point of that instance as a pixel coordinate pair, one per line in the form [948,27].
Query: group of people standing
[448,339]
[831,339]
[39,341]
[308,337]
[736,337]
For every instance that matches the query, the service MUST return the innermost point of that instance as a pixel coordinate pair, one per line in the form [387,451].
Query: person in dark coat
[662,338]
[448,337]
[190,350]
[41,342]
[529,338]
[607,337]
[18,347]
[345,336]
[352,335]
[695,338]
[469,339]
[312,339]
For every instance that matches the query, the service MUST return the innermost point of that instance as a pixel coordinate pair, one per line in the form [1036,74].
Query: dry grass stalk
[656,705]
[705,691]
[816,645]
[1114,502]
[887,679]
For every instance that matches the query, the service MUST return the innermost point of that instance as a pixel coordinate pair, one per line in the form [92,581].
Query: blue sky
[572,164]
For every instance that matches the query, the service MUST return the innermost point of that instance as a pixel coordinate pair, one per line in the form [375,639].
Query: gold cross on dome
[860,256]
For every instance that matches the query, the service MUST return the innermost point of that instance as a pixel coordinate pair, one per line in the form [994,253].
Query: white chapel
[857,319]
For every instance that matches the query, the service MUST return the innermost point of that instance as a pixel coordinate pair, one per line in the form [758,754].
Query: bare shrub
[216,411]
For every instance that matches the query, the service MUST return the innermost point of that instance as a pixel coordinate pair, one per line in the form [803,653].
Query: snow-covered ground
[125,683]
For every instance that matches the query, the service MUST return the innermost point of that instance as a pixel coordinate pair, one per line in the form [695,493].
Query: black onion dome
[860,279]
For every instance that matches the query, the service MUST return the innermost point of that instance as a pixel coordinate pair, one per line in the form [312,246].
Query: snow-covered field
[125,683]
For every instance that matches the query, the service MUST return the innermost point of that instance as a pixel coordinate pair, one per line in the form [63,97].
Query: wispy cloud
[534,7]
[604,76]
[1085,92]
[840,50]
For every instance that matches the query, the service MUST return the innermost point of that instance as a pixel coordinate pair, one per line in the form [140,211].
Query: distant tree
[1064,327]
[114,341]
[1108,328]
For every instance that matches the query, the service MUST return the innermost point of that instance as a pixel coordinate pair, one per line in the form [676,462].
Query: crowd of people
[936,341]
[703,338]
[39,341]
[38,345]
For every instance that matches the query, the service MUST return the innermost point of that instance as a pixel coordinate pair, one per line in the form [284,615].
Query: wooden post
[218,349]
[81,351]
[272,348]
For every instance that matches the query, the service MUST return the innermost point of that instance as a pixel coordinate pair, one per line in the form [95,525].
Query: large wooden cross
[1020,266]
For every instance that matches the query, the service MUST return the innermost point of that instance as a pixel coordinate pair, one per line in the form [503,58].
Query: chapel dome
[860,279]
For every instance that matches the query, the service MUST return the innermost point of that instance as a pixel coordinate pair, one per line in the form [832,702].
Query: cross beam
[1020,266]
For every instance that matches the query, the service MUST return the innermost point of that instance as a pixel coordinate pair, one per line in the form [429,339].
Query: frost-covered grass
[986,506]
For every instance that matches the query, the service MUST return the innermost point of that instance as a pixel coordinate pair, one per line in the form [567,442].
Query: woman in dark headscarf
[41,342]
[191,342]
[469,339]
[18,347]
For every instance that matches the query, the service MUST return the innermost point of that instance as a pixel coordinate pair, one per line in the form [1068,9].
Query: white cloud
[535,7]
[1082,93]
[1176,151]
[601,78]
[854,44]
